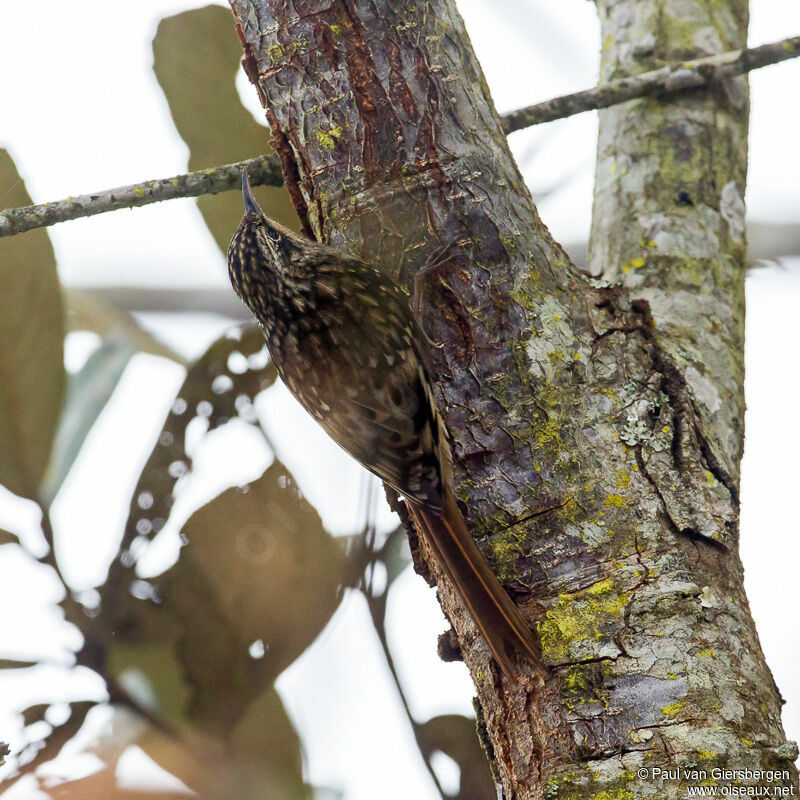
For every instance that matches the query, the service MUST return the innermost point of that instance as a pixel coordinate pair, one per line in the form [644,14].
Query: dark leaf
[456,736]
[196,58]
[260,758]
[47,749]
[8,663]
[221,385]
[34,713]
[102,785]
[266,752]
[6,537]
[32,373]
[259,571]
[395,554]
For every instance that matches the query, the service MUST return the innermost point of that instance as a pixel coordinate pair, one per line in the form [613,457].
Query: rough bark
[669,226]
[560,392]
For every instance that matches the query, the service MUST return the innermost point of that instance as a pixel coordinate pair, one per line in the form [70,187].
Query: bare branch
[263,171]
[266,170]
[666,80]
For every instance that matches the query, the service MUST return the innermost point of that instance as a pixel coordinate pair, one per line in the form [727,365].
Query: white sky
[81,110]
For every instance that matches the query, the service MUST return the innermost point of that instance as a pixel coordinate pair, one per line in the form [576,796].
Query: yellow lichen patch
[623,479]
[615,500]
[707,653]
[575,680]
[619,794]
[601,587]
[278,52]
[580,617]
[505,550]
[327,139]
[673,709]
[634,263]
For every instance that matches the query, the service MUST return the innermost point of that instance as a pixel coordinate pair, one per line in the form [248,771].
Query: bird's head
[261,251]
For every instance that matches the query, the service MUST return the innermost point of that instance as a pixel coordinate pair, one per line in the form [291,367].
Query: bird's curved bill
[250,204]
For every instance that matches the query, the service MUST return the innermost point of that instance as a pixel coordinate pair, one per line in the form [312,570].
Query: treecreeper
[345,342]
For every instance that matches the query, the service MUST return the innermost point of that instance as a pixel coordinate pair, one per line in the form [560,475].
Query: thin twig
[666,80]
[266,170]
[263,171]
[377,611]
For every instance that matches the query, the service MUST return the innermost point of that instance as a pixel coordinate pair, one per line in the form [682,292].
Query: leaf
[48,748]
[260,757]
[395,554]
[257,568]
[255,583]
[102,785]
[88,392]
[456,737]
[32,373]
[266,757]
[196,59]
[7,663]
[220,385]
[6,537]
[34,713]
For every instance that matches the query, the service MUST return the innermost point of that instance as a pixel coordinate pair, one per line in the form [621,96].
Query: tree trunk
[618,408]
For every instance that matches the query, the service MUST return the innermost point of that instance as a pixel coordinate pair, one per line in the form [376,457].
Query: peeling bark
[561,392]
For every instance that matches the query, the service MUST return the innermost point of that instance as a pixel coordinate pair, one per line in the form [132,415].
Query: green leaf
[88,392]
[196,58]
[32,373]
[456,736]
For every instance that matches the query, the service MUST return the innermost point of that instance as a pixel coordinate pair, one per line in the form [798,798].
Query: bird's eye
[273,234]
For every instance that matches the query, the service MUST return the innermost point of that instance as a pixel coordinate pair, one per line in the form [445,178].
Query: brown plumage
[344,341]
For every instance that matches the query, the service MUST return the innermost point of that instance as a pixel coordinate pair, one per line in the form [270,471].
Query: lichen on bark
[593,463]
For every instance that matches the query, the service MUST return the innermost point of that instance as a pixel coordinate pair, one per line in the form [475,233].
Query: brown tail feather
[499,620]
